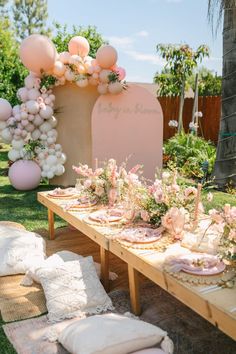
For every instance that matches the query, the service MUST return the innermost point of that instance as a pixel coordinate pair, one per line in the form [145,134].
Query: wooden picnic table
[215,304]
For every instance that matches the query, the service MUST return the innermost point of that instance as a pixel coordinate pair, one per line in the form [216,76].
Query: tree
[181,60]
[12,72]
[225,165]
[209,84]
[30,17]
[62,37]
[180,63]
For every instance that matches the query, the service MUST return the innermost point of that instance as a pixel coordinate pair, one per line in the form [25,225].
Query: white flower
[165,175]
[173,123]
[193,126]
[198,114]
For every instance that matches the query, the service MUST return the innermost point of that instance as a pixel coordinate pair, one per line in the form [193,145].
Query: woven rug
[19,302]
[190,333]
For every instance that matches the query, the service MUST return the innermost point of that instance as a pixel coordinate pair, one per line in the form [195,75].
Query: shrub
[191,154]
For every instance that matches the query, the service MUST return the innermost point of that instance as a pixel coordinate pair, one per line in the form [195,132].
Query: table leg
[134,290]
[104,256]
[51,225]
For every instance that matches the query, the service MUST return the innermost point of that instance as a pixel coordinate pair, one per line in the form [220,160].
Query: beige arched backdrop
[74,107]
[129,124]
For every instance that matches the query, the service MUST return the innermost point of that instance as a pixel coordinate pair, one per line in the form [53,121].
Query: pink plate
[104,216]
[212,264]
[140,235]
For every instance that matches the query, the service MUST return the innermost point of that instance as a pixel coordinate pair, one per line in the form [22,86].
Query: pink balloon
[38,53]
[24,175]
[106,56]
[79,45]
[121,72]
[5,109]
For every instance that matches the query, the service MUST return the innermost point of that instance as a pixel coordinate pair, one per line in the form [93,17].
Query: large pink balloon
[121,72]
[5,109]
[106,56]
[24,175]
[79,45]
[38,53]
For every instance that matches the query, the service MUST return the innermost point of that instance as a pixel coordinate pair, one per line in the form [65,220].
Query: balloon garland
[30,127]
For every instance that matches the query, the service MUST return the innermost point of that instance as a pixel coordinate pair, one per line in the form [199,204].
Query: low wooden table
[216,305]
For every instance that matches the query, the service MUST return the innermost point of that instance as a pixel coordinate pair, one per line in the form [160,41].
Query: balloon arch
[30,127]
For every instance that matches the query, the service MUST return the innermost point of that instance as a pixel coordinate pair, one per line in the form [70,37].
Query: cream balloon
[14,155]
[82,83]
[79,45]
[69,75]
[22,94]
[45,127]
[38,53]
[46,112]
[102,89]
[64,57]
[106,56]
[3,125]
[104,76]
[35,134]
[115,88]
[38,120]
[29,81]
[6,135]
[33,94]
[60,170]
[32,107]
[59,69]
[16,109]
[52,121]
[17,144]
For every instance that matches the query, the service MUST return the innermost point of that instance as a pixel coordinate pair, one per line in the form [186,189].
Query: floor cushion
[110,333]
[73,289]
[19,249]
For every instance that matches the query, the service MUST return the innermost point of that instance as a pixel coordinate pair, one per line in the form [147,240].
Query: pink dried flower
[135,169]
[190,191]
[144,215]
[215,216]
[87,183]
[99,191]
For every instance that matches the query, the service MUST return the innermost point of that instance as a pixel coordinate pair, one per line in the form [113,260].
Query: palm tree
[225,165]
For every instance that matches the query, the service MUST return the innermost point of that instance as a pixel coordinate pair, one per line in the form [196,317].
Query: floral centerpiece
[225,223]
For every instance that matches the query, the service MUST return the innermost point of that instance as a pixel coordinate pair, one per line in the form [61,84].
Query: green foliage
[12,72]
[189,153]
[209,84]
[47,81]
[62,37]
[30,17]
[181,60]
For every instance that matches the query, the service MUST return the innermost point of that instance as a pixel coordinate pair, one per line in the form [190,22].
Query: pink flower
[215,216]
[174,221]
[87,183]
[144,215]
[175,188]
[190,191]
[232,235]
[135,169]
[209,197]
[99,191]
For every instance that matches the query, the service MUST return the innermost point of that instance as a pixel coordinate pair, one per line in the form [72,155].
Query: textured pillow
[55,260]
[73,289]
[111,334]
[19,249]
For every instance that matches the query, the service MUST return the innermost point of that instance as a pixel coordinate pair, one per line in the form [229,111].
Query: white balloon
[17,144]
[51,151]
[54,169]
[52,121]
[50,174]
[51,160]
[14,155]
[46,112]
[32,107]
[43,137]
[22,94]
[3,124]
[64,57]
[16,109]
[45,127]
[102,89]
[44,174]
[38,120]
[33,94]
[29,82]
[41,156]
[6,135]
[60,170]
[35,134]
[62,159]
[51,133]
[24,133]
[52,97]
[30,117]
[69,75]
[24,115]
[29,127]
[51,141]
[46,167]
[58,154]
[82,83]
[18,117]
[58,147]
[59,68]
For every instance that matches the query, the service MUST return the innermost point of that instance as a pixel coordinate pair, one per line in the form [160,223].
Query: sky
[135,27]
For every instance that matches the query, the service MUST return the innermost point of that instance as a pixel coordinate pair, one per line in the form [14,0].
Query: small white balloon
[30,117]
[46,167]
[50,174]
[41,156]
[43,137]
[64,57]
[35,134]
[52,121]
[59,68]
[6,135]
[32,107]
[24,115]
[29,82]
[45,127]
[60,170]
[51,141]
[22,94]
[58,147]
[33,94]
[69,75]
[3,125]
[62,159]
[29,128]
[46,112]
[51,160]
[38,120]
[17,144]
[51,151]
[58,154]
[14,155]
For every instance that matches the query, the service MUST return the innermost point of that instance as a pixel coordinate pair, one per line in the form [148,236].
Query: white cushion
[19,249]
[109,334]
[53,261]
[73,289]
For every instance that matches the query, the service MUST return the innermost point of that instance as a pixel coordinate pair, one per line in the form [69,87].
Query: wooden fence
[210,106]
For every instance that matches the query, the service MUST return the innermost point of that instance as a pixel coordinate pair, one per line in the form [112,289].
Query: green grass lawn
[23,207]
